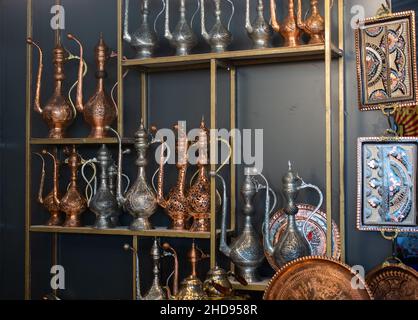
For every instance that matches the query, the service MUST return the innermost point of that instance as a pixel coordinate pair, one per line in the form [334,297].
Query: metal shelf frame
[230,61]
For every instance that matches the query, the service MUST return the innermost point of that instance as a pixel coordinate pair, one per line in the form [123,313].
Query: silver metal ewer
[144,40]
[140,201]
[103,202]
[182,38]
[292,243]
[219,37]
[259,31]
[156,292]
[246,251]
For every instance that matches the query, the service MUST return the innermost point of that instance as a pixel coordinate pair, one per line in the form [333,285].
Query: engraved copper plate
[316,231]
[393,282]
[316,278]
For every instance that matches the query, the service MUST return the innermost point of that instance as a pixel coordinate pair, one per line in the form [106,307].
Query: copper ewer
[49,201]
[289,28]
[99,111]
[175,204]
[314,26]
[73,204]
[57,112]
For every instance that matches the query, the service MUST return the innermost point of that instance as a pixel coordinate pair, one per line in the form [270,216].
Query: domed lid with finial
[291,178]
[141,137]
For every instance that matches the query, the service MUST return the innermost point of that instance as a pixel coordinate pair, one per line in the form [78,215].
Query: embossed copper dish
[391,281]
[316,278]
[316,231]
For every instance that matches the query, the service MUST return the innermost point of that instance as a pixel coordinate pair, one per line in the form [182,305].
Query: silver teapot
[292,244]
[144,39]
[140,200]
[259,31]
[219,37]
[246,251]
[182,38]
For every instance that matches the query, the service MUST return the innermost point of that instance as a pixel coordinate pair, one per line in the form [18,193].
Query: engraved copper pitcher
[144,40]
[73,204]
[219,37]
[293,243]
[49,202]
[57,111]
[99,111]
[289,29]
[218,285]
[183,37]
[156,291]
[314,26]
[191,287]
[259,31]
[176,204]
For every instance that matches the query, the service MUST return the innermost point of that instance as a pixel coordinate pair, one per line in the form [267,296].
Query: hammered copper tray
[316,227]
[393,282]
[316,278]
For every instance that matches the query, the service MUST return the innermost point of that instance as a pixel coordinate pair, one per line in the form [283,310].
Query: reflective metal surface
[293,244]
[99,111]
[393,281]
[316,278]
[175,204]
[289,29]
[156,292]
[140,201]
[73,204]
[315,227]
[219,37]
[246,251]
[191,287]
[57,111]
[314,25]
[103,203]
[49,202]
[259,31]
[144,39]
[217,284]
[182,38]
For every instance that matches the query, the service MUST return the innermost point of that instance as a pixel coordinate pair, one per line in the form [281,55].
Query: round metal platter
[316,278]
[316,227]
[393,282]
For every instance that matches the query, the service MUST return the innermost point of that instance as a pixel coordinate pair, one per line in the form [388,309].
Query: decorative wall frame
[386,61]
[386,184]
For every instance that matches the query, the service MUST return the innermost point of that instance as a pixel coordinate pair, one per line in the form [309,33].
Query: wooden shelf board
[122,231]
[256,286]
[78,141]
[239,57]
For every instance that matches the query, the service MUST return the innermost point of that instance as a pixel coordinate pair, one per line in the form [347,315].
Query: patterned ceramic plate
[316,231]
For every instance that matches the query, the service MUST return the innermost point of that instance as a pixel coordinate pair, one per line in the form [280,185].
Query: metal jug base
[54,220]
[179,224]
[98,133]
[250,274]
[72,221]
[144,54]
[140,224]
[103,223]
[56,133]
[201,224]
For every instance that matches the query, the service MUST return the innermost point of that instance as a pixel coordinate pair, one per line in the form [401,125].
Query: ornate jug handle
[223,162]
[90,190]
[194,14]
[128,182]
[158,16]
[42,182]
[158,170]
[232,14]
[112,92]
[305,185]
[85,68]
